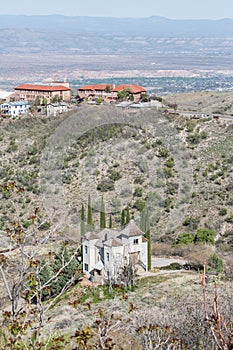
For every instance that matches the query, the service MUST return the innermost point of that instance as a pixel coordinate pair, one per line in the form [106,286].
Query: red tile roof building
[31,92]
[109,92]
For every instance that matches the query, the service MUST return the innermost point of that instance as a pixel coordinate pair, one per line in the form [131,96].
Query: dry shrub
[198,253]
[163,249]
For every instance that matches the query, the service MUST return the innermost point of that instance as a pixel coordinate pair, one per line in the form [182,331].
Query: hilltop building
[29,92]
[107,251]
[15,108]
[110,92]
[54,109]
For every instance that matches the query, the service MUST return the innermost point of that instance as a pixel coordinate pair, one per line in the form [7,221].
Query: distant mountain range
[156,26]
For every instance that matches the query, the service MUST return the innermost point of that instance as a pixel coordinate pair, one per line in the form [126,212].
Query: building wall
[14,110]
[114,257]
[31,95]
[90,255]
[108,97]
[55,110]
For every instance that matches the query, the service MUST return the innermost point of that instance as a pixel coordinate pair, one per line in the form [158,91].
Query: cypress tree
[102,215]
[82,224]
[145,227]
[123,218]
[127,217]
[89,214]
[110,221]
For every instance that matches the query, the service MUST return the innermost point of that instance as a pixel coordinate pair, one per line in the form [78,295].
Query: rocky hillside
[180,168]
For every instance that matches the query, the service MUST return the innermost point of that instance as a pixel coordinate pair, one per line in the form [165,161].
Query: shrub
[139,204]
[191,222]
[215,263]
[184,238]
[229,218]
[114,174]
[204,235]
[173,266]
[138,180]
[222,211]
[138,192]
[163,152]
[44,226]
[105,185]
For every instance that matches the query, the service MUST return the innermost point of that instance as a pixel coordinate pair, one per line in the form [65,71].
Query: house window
[86,267]
[85,249]
[118,257]
[135,241]
[108,256]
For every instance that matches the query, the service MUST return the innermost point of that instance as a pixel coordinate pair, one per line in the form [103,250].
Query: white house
[54,109]
[106,252]
[15,108]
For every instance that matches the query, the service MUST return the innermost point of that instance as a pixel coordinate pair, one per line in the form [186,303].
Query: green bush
[191,222]
[138,180]
[139,204]
[223,211]
[204,235]
[185,238]
[138,192]
[163,152]
[229,218]
[114,174]
[215,263]
[68,276]
[44,226]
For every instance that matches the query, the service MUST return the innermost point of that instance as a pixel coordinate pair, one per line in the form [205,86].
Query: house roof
[132,230]
[98,266]
[134,89]
[105,235]
[90,236]
[97,87]
[49,88]
[113,242]
[112,237]
[58,104]
[16,103]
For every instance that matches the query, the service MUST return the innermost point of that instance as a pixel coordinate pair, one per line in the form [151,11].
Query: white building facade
[15,108]
[106,252]
[54,109]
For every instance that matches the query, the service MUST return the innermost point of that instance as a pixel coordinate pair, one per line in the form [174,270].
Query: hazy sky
[180,9]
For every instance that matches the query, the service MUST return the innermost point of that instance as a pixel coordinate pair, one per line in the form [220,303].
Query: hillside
[181,168]
[204,102]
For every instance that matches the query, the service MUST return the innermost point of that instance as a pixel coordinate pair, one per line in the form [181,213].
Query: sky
[175,9]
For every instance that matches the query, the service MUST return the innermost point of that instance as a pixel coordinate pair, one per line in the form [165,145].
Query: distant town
[56,97]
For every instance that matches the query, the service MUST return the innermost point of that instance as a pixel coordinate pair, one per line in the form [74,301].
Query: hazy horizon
[180,9]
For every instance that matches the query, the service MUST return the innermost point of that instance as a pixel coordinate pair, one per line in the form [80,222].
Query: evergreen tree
[123,218]
[102,215]
[89,214]
[82,225]
[127,216]
[67,277]
[110,221]
[37,101]
[145,227]
[45,274]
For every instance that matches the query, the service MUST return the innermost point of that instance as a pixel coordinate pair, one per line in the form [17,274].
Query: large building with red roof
[31,92]
[110,92]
